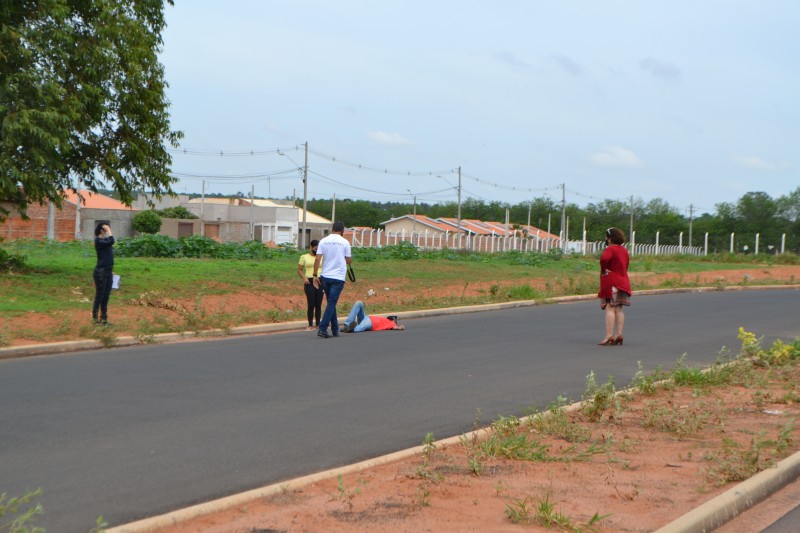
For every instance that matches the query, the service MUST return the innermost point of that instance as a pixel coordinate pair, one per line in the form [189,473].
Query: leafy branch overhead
[82,97]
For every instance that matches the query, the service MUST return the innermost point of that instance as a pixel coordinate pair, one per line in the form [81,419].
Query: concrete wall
[171,227]
[120,221]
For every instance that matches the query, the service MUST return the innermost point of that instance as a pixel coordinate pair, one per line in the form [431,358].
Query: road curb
[258,329]
[728,505]
[703,519]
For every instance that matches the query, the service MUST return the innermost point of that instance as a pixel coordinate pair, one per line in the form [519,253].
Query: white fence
[504,243]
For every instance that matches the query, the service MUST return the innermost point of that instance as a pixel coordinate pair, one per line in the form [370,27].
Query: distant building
[417,223]
[237,219]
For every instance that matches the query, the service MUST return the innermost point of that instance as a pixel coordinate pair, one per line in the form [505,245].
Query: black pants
[103,278]
[314,301]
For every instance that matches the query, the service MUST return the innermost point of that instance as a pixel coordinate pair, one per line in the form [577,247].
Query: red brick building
[69,223]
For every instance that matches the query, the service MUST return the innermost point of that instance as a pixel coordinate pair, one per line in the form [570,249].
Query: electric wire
[360,166]
[345,184]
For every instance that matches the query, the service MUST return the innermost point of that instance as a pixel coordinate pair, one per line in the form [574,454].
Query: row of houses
[224,219]
[236,220]
[418,225]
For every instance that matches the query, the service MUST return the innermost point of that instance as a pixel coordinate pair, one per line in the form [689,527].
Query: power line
[344,184]
[507,187]
[235,176]
[229,153]
[361,166]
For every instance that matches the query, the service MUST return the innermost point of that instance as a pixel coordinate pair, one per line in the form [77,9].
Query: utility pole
[630,235]
[414,223]
[691,214]
[563,217]
[530,206]
[333,209]
[202,204]
[78,210]
[414,229]
[459,207]
[252,193]
[305,198]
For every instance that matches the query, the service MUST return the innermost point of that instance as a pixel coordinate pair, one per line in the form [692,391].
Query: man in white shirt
[335,250]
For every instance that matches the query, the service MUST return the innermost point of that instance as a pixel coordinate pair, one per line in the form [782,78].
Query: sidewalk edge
[728,505]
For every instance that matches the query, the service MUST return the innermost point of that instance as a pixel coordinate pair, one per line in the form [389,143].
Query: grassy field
[56,283]
[56,269]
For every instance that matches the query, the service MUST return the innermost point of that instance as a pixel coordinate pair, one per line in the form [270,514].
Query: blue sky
[692,102]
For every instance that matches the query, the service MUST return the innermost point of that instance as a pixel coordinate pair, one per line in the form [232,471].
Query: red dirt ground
[34,328]
[640,479]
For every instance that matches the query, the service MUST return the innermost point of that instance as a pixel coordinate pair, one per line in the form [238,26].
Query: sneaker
[348,328]
[323,334]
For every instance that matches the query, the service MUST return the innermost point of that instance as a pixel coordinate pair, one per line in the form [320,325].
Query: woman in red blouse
[615,288]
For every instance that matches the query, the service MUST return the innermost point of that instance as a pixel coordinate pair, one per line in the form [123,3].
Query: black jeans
[314,301]
[103,278]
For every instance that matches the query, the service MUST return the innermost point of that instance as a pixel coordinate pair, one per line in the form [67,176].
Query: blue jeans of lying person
[332,289]
[357,312]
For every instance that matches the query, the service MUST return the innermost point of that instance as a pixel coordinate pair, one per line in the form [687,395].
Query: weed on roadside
[106,336]
[346,495]
[597,398]
[17,514]
[544,513]
[556,423]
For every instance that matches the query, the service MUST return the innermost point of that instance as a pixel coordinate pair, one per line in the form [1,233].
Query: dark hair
[338,226]
[616,235]
[313,243]
[99,229]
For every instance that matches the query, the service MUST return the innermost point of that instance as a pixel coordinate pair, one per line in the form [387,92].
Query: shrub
[146,222]
[198,246]
[177,212]
[9,262]
[148,246]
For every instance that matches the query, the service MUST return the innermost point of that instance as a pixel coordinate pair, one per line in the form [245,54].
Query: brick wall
[14,227]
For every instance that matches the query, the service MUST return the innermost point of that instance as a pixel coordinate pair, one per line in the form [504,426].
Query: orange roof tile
[90,200]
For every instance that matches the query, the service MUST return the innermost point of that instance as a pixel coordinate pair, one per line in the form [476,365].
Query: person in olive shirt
[305,269]
[103,273]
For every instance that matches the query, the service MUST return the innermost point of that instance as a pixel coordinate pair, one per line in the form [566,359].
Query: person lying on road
[358,321]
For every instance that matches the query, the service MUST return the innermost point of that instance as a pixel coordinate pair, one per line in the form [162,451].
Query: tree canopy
[754,213]
[82,100]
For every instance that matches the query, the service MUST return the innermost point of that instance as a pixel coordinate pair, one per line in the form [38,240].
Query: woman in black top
[103,272]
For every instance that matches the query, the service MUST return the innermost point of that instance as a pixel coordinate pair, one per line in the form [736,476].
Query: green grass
[59,275]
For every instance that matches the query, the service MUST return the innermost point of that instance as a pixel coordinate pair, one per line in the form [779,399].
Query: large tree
[82,99]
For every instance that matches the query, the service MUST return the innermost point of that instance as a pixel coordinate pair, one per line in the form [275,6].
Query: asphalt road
[136,432]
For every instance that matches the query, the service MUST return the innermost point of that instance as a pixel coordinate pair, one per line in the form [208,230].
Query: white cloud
[615,156]
[660,69]
[567,64]
[506,56]
[753,162]
[391,139]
